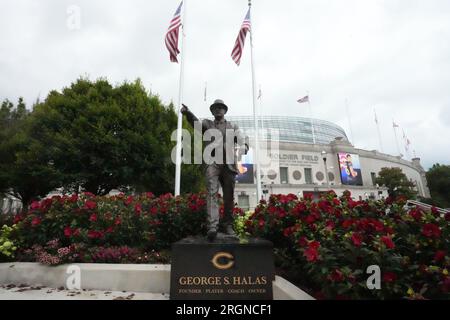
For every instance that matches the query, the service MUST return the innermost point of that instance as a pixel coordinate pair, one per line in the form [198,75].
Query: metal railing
[426,206]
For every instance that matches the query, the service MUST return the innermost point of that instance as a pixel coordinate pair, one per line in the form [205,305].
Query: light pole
[324,157]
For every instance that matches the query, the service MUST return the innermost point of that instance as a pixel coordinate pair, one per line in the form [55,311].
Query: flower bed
[327,246]
[118,229]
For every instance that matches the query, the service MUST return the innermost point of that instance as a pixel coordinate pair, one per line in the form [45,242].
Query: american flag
[304,99]
[239,45]
[172,35]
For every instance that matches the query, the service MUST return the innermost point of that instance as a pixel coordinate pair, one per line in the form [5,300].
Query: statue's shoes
[229,230]
[211,234]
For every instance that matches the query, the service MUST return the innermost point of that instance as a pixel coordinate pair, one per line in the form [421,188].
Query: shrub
[114,229]
[328,245]
[7,245]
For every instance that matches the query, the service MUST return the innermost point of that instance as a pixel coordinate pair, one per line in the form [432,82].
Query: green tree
[438,178]
[25,173]
[396,182]
[100,137]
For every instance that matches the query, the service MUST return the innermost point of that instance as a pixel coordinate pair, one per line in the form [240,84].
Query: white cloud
[392,55]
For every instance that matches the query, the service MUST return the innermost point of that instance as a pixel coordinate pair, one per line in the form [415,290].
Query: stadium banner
[350,169]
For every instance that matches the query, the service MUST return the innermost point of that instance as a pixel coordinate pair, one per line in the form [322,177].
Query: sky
[352,58]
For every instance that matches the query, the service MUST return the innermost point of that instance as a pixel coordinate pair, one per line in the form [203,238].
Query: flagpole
[396,140]
[349,122]
[260,113]
[258,169]
[311,119]
[378,130]
[180,101]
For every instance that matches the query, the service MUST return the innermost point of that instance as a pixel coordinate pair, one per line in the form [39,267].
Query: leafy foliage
[397,182]
[327,246]
[438,178]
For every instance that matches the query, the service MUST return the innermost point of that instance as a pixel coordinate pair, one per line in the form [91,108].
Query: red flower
[149,195]
[17,218]
[76,232]
[138,208]
[128,200]
[261,223]
[35,205]
[389,277]
[310,219]
[94,234]
[281,213]
[330,225]
[336,276]
[388,242]
[431,230]
[357,239]
[336,202]
[118,221]
[325,206]
[447,216]
[73,198]
[109,230]
[68,232]
[347,223]
[93,217]
[90,205]
[89,194]
[153,210]
[298,209]
[36,221]
[302,241]
[272,209]
[287,232]
[312,254]
[434,211]
[416,214]
[440,255]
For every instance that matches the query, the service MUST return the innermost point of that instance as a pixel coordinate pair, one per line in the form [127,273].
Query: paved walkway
[25,292]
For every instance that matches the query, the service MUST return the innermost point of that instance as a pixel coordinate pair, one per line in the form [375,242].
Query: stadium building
[308,156]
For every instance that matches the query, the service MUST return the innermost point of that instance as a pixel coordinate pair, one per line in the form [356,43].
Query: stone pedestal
[222,269]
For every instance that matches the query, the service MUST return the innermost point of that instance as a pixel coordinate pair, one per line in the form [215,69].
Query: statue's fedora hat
[218,104]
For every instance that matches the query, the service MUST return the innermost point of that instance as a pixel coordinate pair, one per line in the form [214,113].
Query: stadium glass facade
[292,129]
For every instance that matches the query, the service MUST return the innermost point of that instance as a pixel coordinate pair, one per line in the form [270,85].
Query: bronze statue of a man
[229,145]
